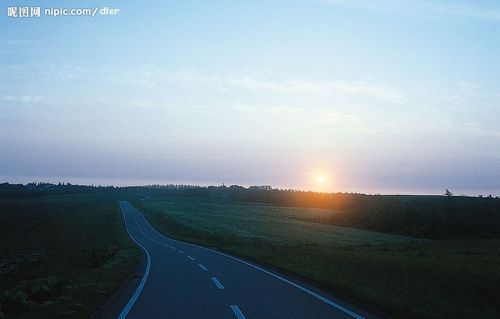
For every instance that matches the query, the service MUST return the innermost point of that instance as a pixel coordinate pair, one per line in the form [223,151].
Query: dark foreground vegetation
[61,255]
[424,257]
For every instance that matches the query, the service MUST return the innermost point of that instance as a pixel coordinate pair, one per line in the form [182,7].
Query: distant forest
[442,217]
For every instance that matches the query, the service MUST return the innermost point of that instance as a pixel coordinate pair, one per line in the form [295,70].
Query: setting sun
[320,179]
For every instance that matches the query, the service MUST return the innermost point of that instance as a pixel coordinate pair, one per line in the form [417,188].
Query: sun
[320,179]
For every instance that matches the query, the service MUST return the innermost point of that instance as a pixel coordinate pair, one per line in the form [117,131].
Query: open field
[404,276]
[61,255]
[240,221]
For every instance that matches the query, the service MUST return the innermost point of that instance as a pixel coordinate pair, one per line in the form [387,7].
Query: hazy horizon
[391,97]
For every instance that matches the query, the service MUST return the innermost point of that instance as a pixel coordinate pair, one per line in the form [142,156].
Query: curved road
[181,281]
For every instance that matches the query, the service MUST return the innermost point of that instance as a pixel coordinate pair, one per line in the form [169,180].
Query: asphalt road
[180,280]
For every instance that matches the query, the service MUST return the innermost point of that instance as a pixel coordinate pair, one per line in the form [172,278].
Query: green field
[403,276]
[61,256]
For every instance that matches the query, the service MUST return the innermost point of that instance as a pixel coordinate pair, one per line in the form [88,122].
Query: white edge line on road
[237,312]
[137,292]
[217,283]
[202,267]
[304,289]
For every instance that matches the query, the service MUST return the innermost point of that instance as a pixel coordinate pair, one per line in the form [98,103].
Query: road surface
[184,281]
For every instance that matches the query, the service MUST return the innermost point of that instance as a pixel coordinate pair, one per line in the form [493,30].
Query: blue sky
[375,96]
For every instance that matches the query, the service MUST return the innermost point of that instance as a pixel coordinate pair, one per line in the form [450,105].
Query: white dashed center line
[237,312]
[181,251]
[202,267]
[191,258]
[217,283]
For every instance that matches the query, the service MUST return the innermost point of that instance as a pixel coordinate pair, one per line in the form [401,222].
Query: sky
[391,97]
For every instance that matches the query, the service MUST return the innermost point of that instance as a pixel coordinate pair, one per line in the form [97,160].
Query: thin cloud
[149,77]
[20,98]
[289,86]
